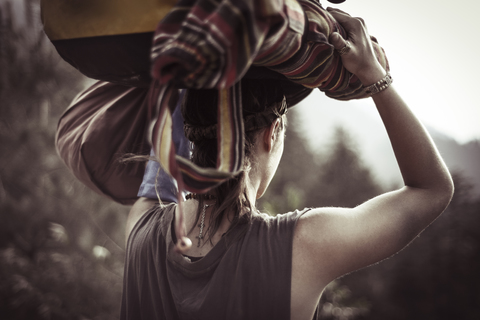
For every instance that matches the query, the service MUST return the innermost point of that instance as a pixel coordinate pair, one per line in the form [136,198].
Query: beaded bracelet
[379,86]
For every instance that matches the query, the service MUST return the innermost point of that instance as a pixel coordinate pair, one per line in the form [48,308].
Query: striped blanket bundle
[212,44]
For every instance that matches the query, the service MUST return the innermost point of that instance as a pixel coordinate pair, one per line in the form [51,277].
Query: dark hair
[199,109]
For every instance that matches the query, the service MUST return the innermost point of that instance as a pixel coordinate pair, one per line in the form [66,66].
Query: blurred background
[62,246]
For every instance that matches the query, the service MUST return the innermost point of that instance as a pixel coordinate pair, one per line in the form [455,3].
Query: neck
[252,186]
[209,213]
[198,229]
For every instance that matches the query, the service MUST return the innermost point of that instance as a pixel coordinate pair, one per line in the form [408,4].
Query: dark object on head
[263,101]
[336,1]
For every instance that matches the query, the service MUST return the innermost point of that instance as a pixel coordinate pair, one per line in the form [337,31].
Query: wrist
[379,86]
[372,76]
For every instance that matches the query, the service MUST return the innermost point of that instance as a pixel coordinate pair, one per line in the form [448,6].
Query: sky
[433,51]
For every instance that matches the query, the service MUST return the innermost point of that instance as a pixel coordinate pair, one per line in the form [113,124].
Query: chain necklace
[202,224]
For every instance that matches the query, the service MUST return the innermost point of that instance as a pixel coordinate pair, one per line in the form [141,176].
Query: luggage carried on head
[199,44]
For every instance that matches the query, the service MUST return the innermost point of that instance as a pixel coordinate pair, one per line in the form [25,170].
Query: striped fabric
[212,44]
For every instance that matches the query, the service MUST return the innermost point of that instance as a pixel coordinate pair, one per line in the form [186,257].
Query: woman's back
[246,275]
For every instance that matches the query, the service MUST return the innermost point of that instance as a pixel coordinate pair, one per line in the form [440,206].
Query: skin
[331,242]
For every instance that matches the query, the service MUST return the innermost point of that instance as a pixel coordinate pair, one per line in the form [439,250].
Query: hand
[360,59]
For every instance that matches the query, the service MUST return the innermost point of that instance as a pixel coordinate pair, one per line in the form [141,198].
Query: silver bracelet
[379,85]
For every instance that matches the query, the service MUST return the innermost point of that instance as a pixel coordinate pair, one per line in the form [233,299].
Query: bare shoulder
[319,217]
[319,236]
[311,261]
[328,243]
[320,225]
[139,208]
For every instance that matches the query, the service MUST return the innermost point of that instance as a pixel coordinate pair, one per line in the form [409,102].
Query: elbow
[444,192]
[451,190]
[442,189]
[451,187]
[438,196]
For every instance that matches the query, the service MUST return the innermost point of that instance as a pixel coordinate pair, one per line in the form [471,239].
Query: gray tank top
[250,278]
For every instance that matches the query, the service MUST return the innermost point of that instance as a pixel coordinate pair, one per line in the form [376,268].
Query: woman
[246,265]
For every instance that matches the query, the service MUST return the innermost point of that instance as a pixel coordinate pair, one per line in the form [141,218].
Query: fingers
[342,17]
[337,41]
[355,49]
[346,20]
[337,12]
[336,9]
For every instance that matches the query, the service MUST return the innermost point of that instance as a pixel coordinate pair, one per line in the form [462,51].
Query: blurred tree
[435,277]
[53,245]
[339,303]
[342,180]
[443,279]
[307,179]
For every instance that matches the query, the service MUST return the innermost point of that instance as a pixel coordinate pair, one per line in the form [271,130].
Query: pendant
[199,237]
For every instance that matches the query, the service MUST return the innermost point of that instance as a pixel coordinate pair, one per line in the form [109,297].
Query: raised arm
[335,241]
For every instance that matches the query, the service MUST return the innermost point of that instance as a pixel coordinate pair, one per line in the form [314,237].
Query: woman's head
[263,104]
